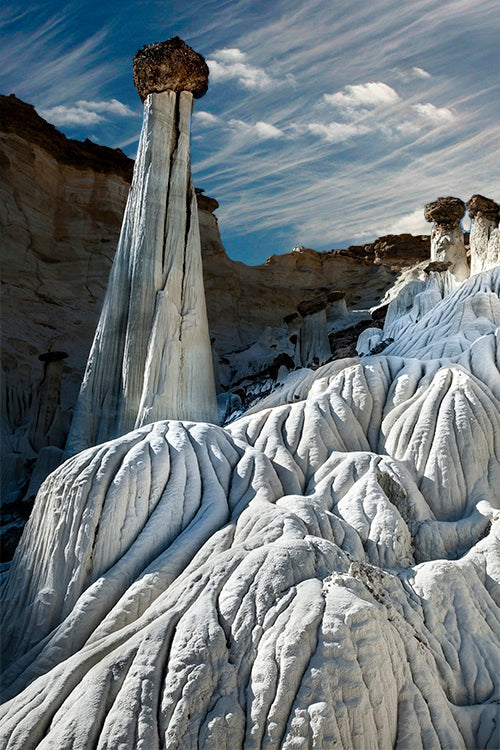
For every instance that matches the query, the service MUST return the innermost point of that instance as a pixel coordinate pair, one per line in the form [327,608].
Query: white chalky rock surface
[151,356]
[323,573]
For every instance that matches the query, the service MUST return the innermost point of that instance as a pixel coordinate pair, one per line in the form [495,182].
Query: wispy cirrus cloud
[45,63]
[378,109]
[414,113]
[335,132]
[409,223]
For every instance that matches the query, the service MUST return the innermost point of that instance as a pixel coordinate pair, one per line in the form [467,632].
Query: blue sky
[326,122]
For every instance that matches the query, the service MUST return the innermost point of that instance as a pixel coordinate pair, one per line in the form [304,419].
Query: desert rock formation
[485,233]
[170,66]
[151,357]
[61,205]
[447,238]
[323,572]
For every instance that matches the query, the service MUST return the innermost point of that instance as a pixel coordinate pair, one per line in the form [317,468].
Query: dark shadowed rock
[335,295]
[311,306]
[52,356]
[170,66]
[437,266]
[393,250]
[205,203]
[478,204]
[445,211]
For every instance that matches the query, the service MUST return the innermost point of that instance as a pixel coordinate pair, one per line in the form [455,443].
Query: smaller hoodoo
[447,237]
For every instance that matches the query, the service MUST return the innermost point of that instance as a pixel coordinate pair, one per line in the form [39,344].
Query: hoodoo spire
[151,357]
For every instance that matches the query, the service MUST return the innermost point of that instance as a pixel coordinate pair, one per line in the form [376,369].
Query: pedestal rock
[151,357]
[447,238]
[484,235]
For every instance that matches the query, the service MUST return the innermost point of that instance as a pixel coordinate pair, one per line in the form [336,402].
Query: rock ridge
[22,119]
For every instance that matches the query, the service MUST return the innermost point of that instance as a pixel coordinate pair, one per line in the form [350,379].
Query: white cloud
[85,113]
[64,115]
[372,94]
[336,132]
[266,130]
[408,127]
[413,74]
[437,115]
[420,72]
[229,64]
[412,223]
[112,106]
[263,130]
[205,118]
[230,55]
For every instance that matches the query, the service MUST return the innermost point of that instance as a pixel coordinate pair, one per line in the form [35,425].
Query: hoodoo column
[447,237]
[484,233]
[151,357]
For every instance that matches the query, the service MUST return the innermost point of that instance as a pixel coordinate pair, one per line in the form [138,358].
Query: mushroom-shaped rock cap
[170,66]
[311,306]
[478,204]
[445,211]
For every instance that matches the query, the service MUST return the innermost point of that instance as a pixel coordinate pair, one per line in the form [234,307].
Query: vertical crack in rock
[151,357]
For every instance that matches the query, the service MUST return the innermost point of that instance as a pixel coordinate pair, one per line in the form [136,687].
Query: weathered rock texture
[447,238]
[62,210]
[485,233]
[392,250]
[151,357]
[323,573]
[170,66]
[313,344]
[61,205]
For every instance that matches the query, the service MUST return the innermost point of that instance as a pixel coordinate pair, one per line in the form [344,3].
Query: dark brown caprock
[170,66]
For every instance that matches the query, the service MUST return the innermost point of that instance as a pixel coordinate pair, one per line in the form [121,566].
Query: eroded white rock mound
[323,573]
